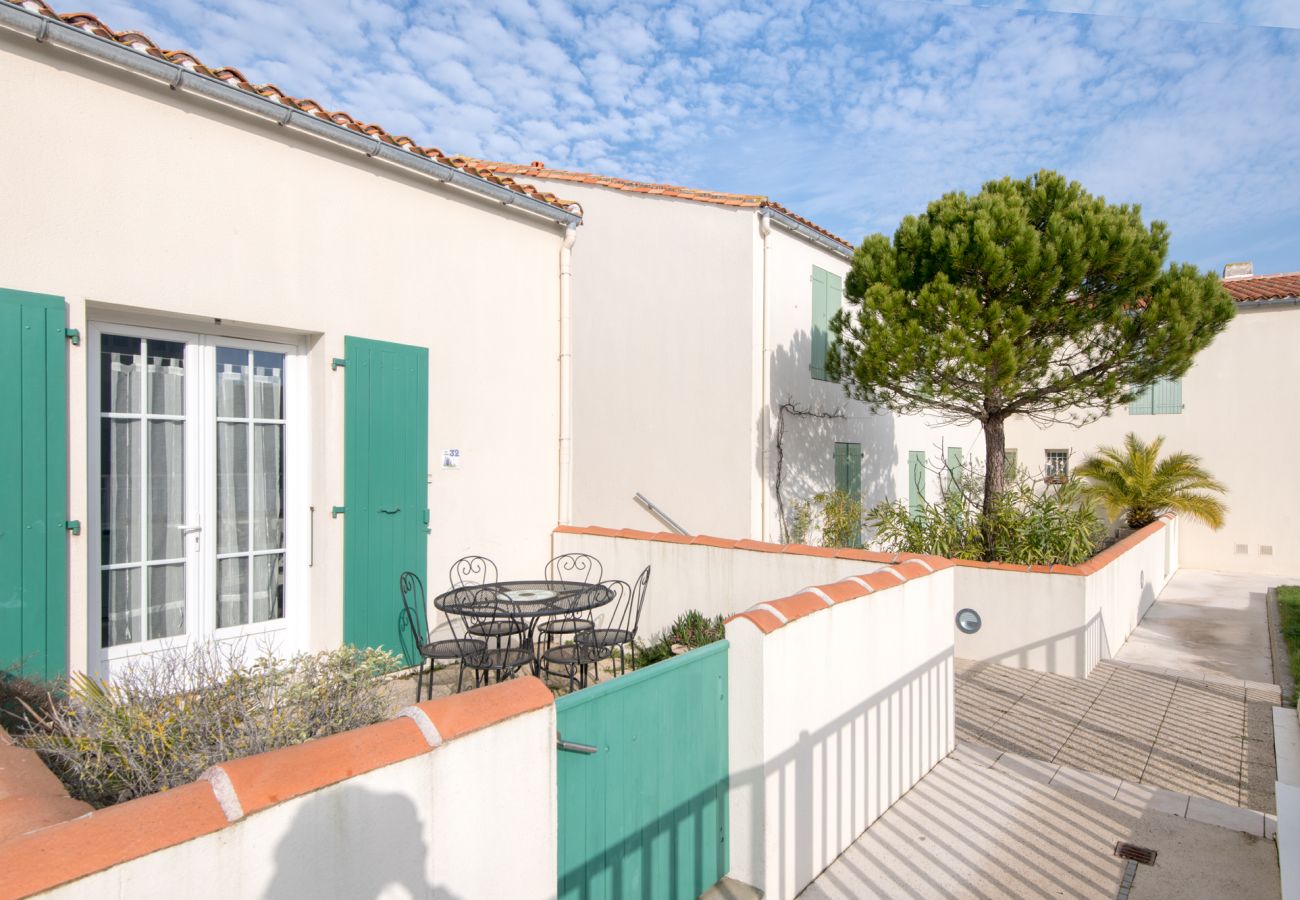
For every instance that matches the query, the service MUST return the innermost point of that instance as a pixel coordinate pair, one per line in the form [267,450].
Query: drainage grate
[1144,855]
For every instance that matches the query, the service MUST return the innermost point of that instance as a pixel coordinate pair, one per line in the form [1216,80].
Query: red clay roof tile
[1282,286]
[234,77]
[721,198]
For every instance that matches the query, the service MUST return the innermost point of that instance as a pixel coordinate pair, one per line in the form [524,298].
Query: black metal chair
[573,658]
[457,648]
[472,571]
[620,629]
[502,661]
[568,567]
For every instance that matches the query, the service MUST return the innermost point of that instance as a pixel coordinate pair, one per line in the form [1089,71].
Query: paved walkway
[1197,734]
[1213,623]
[973,828]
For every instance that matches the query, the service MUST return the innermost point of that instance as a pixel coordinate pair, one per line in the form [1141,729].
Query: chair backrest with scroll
[574,567]
[472,570]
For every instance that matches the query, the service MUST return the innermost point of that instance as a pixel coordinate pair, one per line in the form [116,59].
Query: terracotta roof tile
[720,198]
[1282,286]
[137,41]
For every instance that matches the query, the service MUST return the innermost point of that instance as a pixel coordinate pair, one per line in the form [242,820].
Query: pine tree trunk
[995,476]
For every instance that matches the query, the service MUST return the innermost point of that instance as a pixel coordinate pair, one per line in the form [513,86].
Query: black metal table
[530,601]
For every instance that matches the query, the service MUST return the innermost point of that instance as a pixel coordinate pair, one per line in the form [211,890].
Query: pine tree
[1031,298]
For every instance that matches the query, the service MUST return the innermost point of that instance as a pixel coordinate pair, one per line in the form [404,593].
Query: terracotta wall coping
[48,839]
[1096,564]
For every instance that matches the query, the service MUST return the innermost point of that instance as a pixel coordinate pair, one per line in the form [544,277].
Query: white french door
[189,495]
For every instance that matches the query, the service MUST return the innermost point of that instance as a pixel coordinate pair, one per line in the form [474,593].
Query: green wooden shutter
[820,316]
[841,467]
[915,480]
[954,461]
[854,463]
[1167,396]
[34,484]
[1010,462]
[1144,403]
[385,477]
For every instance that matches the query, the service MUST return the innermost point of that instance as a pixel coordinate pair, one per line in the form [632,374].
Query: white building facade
[301,357]
[699,330]
[1233,410]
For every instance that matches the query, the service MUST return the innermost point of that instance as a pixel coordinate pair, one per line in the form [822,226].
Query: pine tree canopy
[1030,298]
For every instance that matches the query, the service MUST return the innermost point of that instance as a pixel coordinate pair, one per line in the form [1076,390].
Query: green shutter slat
[1167,396]
[820,316]
[34,489]
[385,466]
[954,461]
[854,462]
[915,480]
[1144,403]
[840,477]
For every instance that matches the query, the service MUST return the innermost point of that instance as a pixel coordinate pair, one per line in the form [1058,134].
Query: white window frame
[285,635]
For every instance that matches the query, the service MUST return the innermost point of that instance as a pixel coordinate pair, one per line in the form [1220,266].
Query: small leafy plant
[1135,483]
[161,724]
[691,629]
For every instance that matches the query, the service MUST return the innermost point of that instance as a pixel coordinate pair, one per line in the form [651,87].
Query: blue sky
[852,114]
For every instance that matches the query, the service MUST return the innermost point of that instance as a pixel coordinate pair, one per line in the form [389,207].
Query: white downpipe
[566,378]
[765,403]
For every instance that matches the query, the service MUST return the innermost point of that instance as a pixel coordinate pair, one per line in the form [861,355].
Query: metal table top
[529,599]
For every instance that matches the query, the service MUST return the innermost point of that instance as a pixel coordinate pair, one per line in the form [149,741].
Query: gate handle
[562,744]
[390,512]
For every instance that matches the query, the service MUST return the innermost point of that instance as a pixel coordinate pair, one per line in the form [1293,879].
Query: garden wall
[841,700]
[1065,619]
[717,576]
[423,805]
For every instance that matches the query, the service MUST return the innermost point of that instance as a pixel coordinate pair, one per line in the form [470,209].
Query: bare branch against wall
[790,408]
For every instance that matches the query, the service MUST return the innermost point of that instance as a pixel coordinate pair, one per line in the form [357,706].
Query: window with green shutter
[915,480]
[826,291]
[1164,397]
[848,469]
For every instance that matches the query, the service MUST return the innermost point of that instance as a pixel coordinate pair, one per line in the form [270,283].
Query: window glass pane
[232,383]
[268,385]
[119,454]
[120,601]
[166,374]
[166,600]
[268,587]
[232,487]
[119,374]
[166,489]
[268,487]
[232,591]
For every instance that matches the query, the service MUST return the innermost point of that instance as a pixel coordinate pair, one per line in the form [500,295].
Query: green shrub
[834,518]
[161,724]
[691,629]
[1032,524]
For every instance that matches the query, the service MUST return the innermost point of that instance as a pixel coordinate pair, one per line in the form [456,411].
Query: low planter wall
[1065,619]
[841,700]
[717,576]
[422,805]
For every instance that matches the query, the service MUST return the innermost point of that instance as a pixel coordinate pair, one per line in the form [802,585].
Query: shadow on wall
[807,451]
[812,815]
[346,841]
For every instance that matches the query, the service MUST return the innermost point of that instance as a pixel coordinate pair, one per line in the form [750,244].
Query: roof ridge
[680,192]
[140,42]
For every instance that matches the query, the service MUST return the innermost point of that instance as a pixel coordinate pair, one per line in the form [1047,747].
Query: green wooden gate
[645,816]
[33,484]
[385,482]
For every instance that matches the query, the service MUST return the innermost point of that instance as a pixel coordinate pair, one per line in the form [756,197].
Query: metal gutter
[55,32]
[808,234]
[1248,305]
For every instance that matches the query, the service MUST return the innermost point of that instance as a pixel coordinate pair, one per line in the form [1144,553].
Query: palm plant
[1135,482]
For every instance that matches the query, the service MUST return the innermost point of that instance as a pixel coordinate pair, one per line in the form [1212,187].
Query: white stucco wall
[714,580]
[1239,418]
[1061,622]
[808,445]
[662,351]
[435,825]
[834,716]
[141,204]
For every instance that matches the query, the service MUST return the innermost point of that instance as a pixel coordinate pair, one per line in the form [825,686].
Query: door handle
[187,530]
[389,512]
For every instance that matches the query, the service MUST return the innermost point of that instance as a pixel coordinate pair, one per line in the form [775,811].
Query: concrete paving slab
[1025,767]
[1102,787]
[1214,623]
[1145,798]
[1199,809]
[969,831]
[975,754]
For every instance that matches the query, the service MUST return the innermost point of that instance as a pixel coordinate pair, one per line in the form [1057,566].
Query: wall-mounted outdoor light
[968,621]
